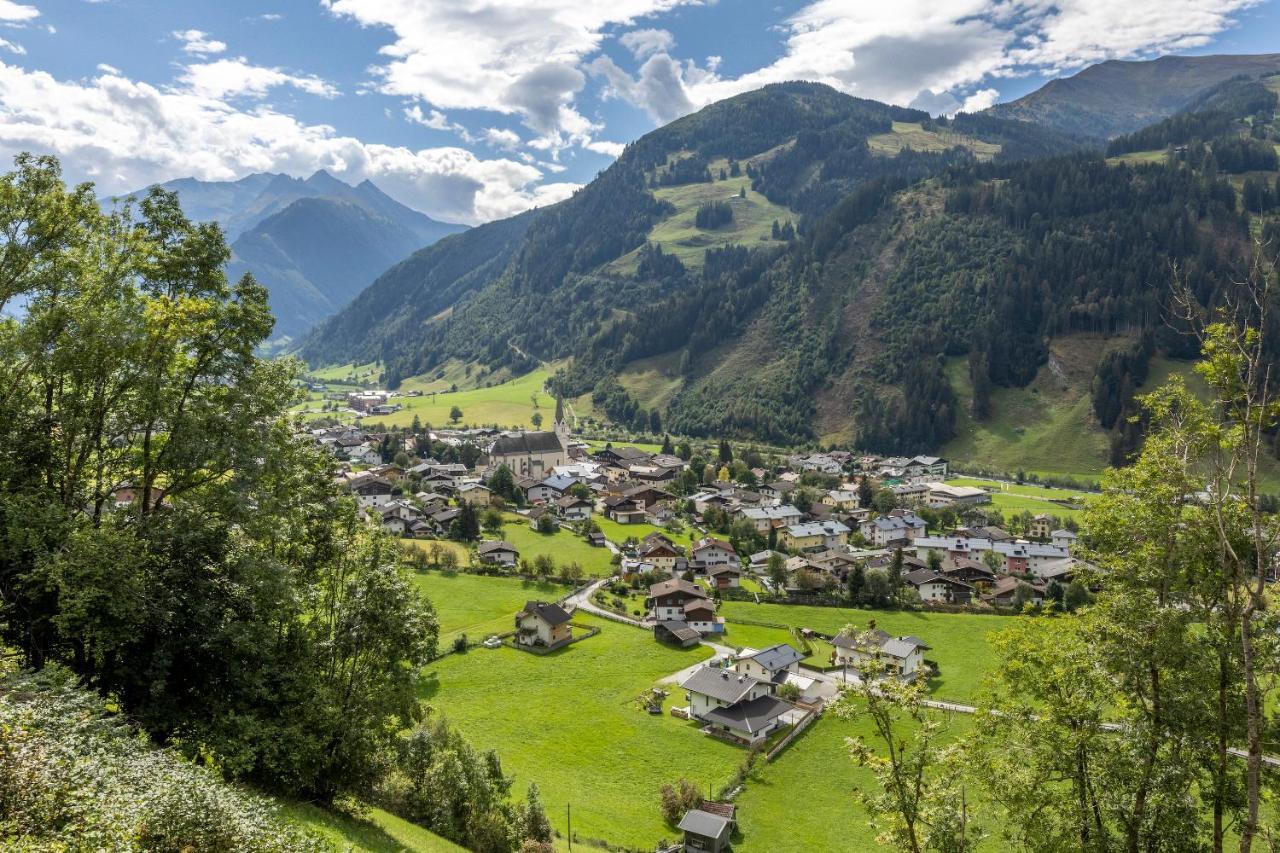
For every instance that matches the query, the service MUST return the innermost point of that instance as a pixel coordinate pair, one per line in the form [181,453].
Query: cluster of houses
[566,481]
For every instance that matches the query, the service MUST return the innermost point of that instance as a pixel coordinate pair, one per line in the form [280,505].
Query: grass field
[378,832]
[507,404]
[1140,158]
[804,799]
[562,546]
[653,381]
[753,218]
[958,640]
[347,374]
[913,136]
[619,533]
[1013,498]
[478,605]
[1047,427]
[570,721]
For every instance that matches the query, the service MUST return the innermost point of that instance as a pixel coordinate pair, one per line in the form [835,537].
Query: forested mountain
[897,243]
[315,243]
[1117,97]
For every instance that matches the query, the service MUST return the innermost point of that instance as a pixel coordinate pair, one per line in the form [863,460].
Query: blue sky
[474,110]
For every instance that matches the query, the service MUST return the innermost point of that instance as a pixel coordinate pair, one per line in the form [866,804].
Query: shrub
[71,770]
[678,799]
[460,643]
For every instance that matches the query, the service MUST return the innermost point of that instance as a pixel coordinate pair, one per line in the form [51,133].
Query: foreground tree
[162,530]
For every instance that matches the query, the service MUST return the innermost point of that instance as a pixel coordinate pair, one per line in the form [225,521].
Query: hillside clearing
[477,605]
[912,135]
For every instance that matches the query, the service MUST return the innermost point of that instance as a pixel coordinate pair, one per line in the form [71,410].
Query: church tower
[561,425]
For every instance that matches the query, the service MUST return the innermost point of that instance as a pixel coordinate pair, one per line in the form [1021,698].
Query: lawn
[563,546]
[815,771]
[347,374]
[378,832]
[1140,158]
[958,640]
[1012,498]
[911,135]
[619,533]
[478,605]
[570,721]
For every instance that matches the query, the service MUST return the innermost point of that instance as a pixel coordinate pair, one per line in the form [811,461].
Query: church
[534,454]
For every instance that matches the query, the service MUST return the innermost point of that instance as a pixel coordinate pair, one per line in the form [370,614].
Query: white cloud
[125,134]
[517,57]
[198,42]
[108,69]
[604,146]
[643,43]
[12,47]
[231,77]
[17,12]
[940,55]
[501,137]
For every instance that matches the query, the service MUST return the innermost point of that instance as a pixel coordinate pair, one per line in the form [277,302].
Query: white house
[372,492]
[900,656]
[935,586]
[1063,539]
[709,551]
[543,624]
[942,495]
[667,599]
[498,553]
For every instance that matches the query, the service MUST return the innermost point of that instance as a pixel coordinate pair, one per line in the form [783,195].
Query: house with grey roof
[898,656]
[543,623]
[733,704]
[529,454]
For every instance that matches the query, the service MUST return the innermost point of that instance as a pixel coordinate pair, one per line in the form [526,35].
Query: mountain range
[797,265]
[315,242]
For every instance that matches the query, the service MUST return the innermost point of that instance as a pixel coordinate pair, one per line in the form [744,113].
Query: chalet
[733,704]
[704,500]
[765,517]
[660,551]
[1040,528]
[543,624]
[497,553]
[573,508]
[372,492]
[1027,557]
[813,535]
[667,599]
[820,462]
[596,539]
[700,615]
[995,534]
[724,577]
[364,454]
[1003,593]
[475,494]
[647,496]
[623,510]
[938,587]
[530,454]
[708,552]
[970,571]
[759,561]
[899,656]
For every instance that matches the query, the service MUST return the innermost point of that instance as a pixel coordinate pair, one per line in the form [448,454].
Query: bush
[460,643]
[678,799]
[71,770]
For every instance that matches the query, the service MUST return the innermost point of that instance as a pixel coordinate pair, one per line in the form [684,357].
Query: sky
[472,110]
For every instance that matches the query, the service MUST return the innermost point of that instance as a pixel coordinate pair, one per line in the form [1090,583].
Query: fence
[804,723]
[589,631]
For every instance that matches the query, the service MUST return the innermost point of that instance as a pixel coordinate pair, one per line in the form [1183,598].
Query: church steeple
[561,425]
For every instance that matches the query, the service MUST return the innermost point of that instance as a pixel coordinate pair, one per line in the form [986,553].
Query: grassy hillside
[376,832]
[1047,427]
[912,135]
[753,218]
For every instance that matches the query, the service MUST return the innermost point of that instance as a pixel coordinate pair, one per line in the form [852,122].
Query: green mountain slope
[1118,97]
[903,245]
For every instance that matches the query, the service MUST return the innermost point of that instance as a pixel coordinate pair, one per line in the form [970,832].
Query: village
[682,531]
